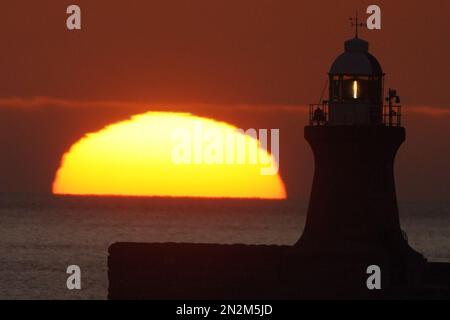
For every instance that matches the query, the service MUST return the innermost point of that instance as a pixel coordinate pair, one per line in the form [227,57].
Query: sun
[169,154]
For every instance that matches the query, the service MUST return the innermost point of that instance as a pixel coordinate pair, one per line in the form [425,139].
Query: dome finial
[355,23]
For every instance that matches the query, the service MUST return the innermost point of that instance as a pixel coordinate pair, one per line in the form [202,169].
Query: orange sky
[221,51]
[252,63]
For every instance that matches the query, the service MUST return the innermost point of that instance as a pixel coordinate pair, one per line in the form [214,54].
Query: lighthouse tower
[352,215]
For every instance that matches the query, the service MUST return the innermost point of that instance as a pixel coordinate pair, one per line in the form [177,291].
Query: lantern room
[356,87]
[356,90]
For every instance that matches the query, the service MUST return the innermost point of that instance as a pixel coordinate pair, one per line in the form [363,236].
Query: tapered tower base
[353,217]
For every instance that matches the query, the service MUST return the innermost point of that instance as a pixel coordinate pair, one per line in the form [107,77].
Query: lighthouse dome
[356,60]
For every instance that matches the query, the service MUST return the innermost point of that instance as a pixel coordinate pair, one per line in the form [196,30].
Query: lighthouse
[352,227]
[353,218]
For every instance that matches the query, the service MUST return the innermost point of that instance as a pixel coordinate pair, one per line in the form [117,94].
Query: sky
[253,63]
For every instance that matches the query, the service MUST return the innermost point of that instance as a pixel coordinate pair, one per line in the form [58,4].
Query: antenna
[355,23]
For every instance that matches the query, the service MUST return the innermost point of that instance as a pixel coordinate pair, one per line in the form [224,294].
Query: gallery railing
[392,116]
[319,115]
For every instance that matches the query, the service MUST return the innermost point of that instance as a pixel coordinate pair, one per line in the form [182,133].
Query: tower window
[335,90]
[355,90]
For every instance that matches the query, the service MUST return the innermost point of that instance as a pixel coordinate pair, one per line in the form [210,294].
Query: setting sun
[168,154]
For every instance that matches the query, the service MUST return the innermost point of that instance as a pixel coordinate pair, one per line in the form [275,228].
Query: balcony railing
[392,116]
[319,115]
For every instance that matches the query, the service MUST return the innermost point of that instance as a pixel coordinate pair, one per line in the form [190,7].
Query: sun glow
[139,157]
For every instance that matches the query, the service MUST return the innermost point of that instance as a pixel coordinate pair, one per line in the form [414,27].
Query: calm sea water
[41,235]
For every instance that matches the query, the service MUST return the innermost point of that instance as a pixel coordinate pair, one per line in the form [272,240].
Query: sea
[41,235]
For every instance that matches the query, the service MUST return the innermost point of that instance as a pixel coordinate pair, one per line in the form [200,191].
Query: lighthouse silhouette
[352,225]
[353,214]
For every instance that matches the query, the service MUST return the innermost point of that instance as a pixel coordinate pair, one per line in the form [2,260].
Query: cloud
[42,102]
[429,111]
[45,102]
